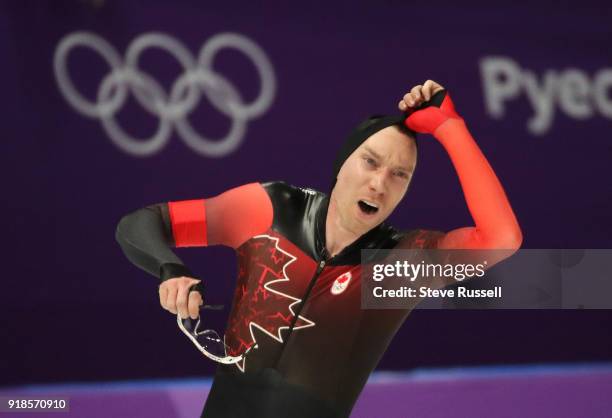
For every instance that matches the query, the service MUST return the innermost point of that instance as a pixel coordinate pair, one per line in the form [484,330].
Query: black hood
[363,131]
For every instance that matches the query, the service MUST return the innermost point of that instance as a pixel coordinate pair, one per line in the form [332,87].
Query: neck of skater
[338,233]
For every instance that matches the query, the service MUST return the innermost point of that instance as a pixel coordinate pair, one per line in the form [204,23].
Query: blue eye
[370,161]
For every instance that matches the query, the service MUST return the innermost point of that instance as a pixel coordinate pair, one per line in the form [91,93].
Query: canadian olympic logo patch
[341,283]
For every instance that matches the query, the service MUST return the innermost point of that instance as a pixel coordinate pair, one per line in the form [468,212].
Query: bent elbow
[514,238]
[518,239]
[511,240]
[120,230]
[506,240]
[127,226]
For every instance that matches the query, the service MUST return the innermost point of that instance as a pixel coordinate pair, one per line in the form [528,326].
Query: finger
[416,92]
[182,299]
[427,89]
[436,87]
[171,299]
[195,301]
[163,294]
[418,101]
[408,99]
[402,105]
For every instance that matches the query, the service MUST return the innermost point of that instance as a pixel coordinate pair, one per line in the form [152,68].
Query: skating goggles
[208,341]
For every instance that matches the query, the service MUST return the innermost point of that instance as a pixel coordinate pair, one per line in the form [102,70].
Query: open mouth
[367,207]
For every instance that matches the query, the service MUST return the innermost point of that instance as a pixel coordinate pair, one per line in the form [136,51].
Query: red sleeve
[495,223]
[188,220]
[496,226]
[228,219]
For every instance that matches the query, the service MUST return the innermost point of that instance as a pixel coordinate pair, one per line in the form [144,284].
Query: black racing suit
[316,347]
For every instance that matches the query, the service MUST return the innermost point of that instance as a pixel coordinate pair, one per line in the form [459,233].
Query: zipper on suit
[313,280]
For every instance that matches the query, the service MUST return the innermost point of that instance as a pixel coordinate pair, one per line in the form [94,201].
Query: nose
[378,181]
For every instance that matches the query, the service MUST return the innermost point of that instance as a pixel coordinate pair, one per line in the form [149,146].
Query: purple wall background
[73,308]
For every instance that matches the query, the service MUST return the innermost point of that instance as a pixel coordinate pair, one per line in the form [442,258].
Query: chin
[371,223]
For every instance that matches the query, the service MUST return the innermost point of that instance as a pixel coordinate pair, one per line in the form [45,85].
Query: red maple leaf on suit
[257,303]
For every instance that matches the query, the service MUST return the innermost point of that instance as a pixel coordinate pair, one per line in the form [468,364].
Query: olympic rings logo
[171,108]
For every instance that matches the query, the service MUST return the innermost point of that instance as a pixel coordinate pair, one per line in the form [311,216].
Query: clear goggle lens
[208,341]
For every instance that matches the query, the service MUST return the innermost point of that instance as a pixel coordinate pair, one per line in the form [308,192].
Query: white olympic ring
[171,108]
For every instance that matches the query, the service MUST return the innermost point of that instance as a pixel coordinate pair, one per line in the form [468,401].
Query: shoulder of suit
[281,191]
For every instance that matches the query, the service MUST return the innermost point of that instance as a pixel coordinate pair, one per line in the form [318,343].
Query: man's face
[373,180]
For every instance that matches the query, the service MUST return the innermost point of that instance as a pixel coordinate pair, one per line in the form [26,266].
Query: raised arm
[495,225]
